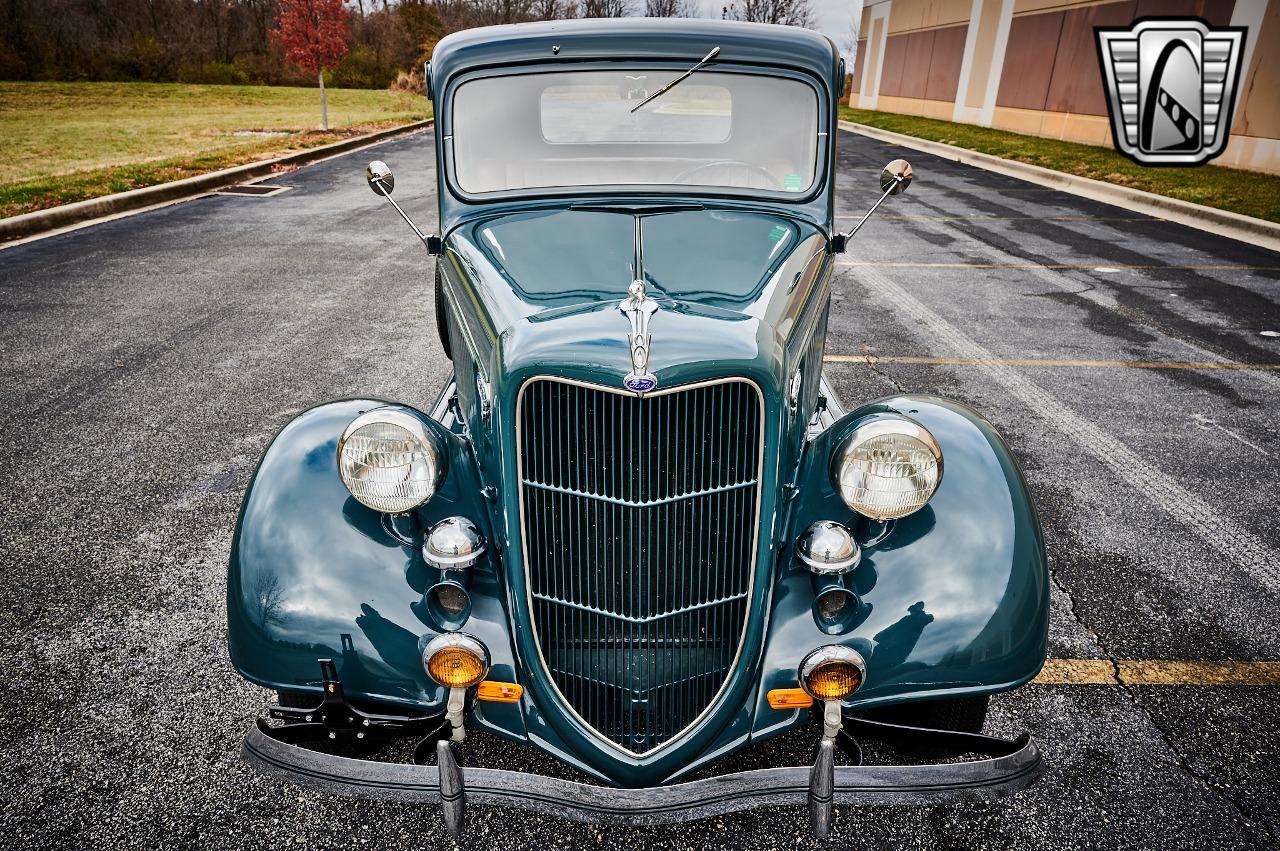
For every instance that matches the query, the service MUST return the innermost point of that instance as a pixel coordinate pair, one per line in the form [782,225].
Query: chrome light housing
[887,468]
[389,461]
[828,547]
[453,544]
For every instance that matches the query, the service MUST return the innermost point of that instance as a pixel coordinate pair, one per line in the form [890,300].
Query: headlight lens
[888,468]
[388,461]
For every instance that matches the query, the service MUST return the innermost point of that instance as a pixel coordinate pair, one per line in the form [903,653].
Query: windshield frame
[822,144]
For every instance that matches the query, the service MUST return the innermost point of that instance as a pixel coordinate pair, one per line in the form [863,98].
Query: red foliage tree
[313,35]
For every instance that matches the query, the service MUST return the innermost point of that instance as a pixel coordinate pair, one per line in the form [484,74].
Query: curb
[1221,222]
[42,221]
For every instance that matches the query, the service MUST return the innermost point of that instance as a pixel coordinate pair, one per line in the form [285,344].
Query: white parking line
[1219,532]
[1057,277]
[1070,363]
[1206,422]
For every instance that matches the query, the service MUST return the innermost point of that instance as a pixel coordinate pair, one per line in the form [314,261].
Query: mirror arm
[840,241]
[431,241]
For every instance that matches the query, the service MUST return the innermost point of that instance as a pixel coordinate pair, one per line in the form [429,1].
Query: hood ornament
[638,307]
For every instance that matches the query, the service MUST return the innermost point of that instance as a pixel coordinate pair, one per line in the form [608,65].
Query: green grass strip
[1249,193]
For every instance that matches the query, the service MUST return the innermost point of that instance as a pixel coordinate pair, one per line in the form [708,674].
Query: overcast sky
[835,17]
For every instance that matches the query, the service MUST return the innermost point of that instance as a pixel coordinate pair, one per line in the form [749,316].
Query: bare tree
[796,13]
[670,9]
[488,12]
[268,599]
[551,10]
[604,8]
[851,38]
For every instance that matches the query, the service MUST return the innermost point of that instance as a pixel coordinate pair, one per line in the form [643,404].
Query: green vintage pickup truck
[637,530]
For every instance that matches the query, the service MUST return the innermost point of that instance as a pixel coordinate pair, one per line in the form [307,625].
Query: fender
[953,601]
[316,574]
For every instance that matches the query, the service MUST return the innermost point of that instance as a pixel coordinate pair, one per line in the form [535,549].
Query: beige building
[1032,66]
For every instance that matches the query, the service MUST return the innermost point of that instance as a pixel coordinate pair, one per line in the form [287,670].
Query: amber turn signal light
[455,660]
[832,672]
[497,692]
[789,698]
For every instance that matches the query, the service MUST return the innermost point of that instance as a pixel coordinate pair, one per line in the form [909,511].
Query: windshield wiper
[714,52]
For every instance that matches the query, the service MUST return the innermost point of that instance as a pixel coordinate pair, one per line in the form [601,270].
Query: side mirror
[894,180]
[382,181]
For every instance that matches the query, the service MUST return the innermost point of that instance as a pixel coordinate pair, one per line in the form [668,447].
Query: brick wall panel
[895,56]
[1028,60]
[915,70]
[1076,85]
[944,67]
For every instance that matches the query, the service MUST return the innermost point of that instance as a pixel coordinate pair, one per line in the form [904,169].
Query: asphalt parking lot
[149,360]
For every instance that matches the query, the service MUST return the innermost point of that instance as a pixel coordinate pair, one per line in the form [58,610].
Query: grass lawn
[1247,192]
[70,141]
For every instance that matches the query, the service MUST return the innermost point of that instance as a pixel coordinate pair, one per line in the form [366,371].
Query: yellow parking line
[1077,672]
[1158,672]
[1098,266]
[1058,362]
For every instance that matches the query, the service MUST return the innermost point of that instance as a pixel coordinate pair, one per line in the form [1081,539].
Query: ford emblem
[640,383]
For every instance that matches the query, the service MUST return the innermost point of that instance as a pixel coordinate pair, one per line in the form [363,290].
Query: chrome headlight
[388,461]
[888,468]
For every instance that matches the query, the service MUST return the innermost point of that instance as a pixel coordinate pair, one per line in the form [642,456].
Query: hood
[729,285]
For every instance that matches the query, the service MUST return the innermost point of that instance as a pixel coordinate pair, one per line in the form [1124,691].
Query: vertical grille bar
[639,520]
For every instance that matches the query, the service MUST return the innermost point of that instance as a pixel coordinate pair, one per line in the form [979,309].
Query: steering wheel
[773,182]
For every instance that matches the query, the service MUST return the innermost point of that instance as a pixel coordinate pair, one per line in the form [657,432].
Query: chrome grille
[639,521]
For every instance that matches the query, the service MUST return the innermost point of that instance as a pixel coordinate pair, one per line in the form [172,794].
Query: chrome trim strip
[524,546]
[648,619]
[647,504]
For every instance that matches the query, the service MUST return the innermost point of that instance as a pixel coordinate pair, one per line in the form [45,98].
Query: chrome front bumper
[1011,765]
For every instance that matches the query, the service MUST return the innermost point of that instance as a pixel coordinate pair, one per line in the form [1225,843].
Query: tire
[442,317]
[961,714]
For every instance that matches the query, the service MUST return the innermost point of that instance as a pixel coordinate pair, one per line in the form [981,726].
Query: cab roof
[637,38]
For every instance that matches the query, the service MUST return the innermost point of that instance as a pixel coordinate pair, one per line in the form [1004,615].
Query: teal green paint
[954,601]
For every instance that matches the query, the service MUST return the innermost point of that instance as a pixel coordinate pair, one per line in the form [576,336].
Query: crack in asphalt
[1131,691]
[873,362]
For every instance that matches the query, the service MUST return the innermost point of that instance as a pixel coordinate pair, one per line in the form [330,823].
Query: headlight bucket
[888,467]
[389,460]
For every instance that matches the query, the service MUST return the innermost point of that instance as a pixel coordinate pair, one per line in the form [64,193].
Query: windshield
[576,128]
